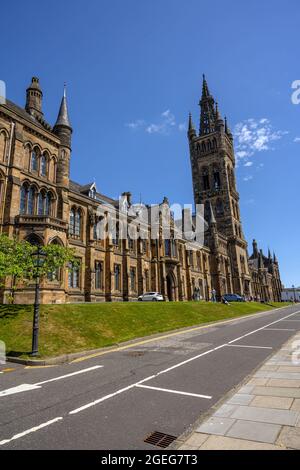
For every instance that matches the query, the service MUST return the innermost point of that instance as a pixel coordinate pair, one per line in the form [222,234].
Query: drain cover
[160,439]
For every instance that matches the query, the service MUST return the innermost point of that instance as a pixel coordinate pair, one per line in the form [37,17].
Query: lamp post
[293,287]
[38,259]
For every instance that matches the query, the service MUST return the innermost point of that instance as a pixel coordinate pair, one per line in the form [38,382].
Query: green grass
[78,327]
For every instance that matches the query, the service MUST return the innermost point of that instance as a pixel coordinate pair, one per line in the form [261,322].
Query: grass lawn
[78,327]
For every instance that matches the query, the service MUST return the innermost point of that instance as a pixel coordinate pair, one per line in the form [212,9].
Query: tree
[16,261]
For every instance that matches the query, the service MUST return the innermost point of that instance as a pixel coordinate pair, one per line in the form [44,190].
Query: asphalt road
[115,400]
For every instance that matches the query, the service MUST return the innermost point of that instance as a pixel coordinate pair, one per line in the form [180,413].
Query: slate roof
[40,122]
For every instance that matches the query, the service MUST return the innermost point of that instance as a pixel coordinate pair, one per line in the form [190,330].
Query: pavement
[116,399]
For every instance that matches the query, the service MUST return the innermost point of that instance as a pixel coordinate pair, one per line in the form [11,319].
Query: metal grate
[160,439]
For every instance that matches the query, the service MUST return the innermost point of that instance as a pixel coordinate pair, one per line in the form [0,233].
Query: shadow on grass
[12,311]
[18,353]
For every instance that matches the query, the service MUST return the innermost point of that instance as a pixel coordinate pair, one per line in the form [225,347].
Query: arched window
[167,247]
[48,205]
[132,279]
[217,180]
[34,161]
[23,199]
[117,276]
[98,275]
[116,239]
[219,207]
[41,203]
[31,200]
[205,179]
[73,276]
[3,145]
[72,222]
[43,167]
[77,227]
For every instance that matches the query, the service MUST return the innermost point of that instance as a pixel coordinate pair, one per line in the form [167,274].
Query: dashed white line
[82,371]
[177,392]
[29,431]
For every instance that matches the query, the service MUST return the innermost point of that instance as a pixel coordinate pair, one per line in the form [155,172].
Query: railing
[40,219]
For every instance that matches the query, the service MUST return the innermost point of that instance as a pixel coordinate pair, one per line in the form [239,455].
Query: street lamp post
[39,258]
[293,287]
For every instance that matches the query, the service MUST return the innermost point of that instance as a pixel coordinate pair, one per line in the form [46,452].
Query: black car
[233,298]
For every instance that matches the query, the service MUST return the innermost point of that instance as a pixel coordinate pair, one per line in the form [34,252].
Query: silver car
[151,297]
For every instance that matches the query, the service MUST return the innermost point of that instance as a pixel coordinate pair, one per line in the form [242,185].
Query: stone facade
[40,203]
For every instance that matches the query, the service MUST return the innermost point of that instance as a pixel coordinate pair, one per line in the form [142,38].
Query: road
[115,400]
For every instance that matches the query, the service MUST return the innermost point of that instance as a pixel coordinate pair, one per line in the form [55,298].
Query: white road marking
[18,389]
[247,346]
[82,371]
[28,387]
[280,329]
[177,392]
[29,431]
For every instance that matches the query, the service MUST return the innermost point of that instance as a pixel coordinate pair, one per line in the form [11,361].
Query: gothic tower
[213,174]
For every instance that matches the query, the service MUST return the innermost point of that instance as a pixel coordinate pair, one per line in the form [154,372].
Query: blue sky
[133,70]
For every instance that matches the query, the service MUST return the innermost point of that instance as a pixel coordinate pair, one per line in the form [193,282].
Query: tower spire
[191,129]
[63,126]
[207,105]
[34,98]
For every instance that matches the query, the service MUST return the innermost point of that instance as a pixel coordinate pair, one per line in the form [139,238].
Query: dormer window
[92,193]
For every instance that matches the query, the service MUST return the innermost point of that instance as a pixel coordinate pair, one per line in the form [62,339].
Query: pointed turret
[63,128]
[219,120]
[191,129]
[212,219]
[255,249]
[207,104]
[227,130]
[34,98]
[274,258]
[260,260]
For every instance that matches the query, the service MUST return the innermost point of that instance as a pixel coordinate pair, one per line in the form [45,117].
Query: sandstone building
[40,203]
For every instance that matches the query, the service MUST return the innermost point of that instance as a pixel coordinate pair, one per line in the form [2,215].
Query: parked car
[151,297]
[233,298]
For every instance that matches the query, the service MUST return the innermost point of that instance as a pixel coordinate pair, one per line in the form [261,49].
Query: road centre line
[280,329]
[177,392]
[69,375]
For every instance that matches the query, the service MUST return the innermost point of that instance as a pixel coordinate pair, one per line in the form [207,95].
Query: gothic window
[116,240]
[48,205]
[117,277]
[131,244]
[217,180]
[147,284]
[77,223]
[132,279]
[43,163]
[34,161]
[3,145]
[167,248]
[199,261]
[73,276]
[31,199]
[205,180]
[41,203]
[72,222]
[219,207]
[98,275]
[23,199]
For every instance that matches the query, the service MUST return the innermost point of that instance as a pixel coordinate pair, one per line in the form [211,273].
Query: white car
[150,297]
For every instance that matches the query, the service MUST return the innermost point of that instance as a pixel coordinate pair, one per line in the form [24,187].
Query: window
[41,204]
[167,248]
[219,207]
[34,162]
[31,198]
[116,240]
[43,168]
[23,200]
[98,275]
[75,222]
[205,180]
[117,276]
[217,180]
[48,204]
[147,284]
[132,279]
[73,276]
[131,244]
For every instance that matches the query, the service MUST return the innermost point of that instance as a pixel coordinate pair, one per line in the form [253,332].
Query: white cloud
[248,178]
[163,125]
[297,139]
[248,164]
[253,136]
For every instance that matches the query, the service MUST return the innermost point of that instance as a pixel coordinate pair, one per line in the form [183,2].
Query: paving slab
[253,431]
[225,410]
[258,381]
[289,437]
[240,399]
[266,415]
[277,375]
[230,443]
[216,425]
[296,405]
[282,383]
[196,440]
[281,403]
[277,391]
